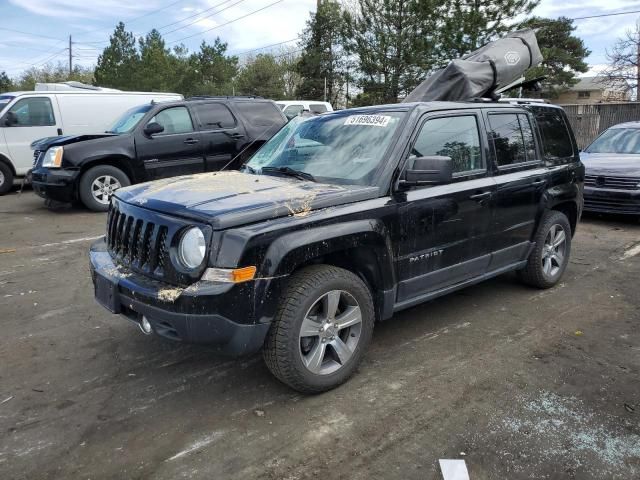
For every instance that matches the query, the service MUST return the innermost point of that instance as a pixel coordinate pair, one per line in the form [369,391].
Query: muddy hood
[612,164]
[229,199]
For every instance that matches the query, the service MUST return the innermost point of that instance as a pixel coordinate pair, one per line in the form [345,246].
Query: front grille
[140,240]
[617,183]
[36,157]
[137,243]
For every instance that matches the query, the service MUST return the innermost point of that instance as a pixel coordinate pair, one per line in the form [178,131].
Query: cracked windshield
[345,149]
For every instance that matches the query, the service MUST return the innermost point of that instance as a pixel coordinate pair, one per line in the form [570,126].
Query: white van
[29,116]
[293,108]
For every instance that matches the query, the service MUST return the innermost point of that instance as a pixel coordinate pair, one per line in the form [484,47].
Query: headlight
[192,248]
[53,157]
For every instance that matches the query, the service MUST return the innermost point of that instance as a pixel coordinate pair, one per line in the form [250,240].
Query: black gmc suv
[340,221]
[153,141]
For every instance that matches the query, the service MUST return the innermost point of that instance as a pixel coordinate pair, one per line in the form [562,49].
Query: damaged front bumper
[206,313]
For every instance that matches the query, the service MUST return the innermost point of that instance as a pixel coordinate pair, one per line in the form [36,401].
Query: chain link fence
[589,120]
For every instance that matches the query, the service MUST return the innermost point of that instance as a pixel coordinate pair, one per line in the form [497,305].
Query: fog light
[145,326]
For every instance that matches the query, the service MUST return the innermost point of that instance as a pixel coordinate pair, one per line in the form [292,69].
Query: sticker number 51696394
[370,120]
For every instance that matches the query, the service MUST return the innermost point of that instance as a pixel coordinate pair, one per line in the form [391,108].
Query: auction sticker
[370,120]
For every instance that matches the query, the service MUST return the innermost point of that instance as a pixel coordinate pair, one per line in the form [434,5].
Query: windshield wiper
[250,169]
[290,172]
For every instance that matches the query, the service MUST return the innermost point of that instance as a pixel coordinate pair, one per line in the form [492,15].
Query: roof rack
[523,101]
[208,97]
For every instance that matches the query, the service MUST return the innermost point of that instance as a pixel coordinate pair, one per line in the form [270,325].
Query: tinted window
[512,138]
[174,120]
[4,99]
[617,140]
[260,114]
[556,142]
[214,115]
[293,110]
[455,137]
[317,108]
[33,112]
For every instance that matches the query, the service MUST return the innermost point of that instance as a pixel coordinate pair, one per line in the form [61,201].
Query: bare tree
[623,72]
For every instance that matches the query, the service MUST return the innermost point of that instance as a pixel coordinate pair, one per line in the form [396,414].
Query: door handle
[236,136]
[539,182]
[191,141]
[480,196]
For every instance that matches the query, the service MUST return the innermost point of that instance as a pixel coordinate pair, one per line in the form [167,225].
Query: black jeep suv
[340,221]
[152,141]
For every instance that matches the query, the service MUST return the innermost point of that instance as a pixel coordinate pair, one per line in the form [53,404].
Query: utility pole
[346,100]
[70,56]
[325,89]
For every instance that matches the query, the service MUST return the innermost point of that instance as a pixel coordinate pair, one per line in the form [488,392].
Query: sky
[34,32]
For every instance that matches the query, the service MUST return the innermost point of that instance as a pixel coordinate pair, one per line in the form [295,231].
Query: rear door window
[260,114]
[293,110]
[212,116]
[33,112]
[512,137]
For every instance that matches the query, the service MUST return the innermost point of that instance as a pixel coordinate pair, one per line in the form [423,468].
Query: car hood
[619,165]
[48,142]
[229,199]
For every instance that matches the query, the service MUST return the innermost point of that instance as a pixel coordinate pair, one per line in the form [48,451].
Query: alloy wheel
[554,249]
[330,332]
[103,187]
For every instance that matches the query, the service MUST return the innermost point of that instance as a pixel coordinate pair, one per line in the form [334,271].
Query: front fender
[366,241]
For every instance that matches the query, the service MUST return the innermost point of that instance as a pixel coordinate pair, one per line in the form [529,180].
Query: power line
[196,15]
[605,15]
[202,18]
[131,20]
[226,23]
[29,33]
[266,46]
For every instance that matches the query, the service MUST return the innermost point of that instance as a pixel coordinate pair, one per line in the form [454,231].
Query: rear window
[260,114]
[556,141]
[317,108]
[512,138]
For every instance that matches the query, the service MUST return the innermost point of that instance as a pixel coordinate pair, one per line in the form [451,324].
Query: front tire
[321,330]
[98,184]
[550,256]
[6,178]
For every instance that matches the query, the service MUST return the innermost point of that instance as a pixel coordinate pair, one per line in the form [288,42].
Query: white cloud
[96,9]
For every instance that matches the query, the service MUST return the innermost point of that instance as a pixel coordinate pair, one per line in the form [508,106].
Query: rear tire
[6,178]
[98,184]
[322,328]
[550,256]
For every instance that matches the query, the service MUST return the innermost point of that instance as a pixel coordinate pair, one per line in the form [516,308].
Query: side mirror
[10,119]
[153,128]
[432,170]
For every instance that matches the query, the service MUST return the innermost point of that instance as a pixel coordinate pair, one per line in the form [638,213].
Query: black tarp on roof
[478,74]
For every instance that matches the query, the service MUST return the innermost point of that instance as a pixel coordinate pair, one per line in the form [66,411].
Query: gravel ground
[520,383]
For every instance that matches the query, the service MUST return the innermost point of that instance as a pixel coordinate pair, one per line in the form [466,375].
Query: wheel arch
[4,159]
[570,210]
[121,162]
[362,247]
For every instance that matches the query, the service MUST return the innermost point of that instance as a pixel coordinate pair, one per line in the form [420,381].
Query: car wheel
[98,184]
[321,330]
[6,178]
[550,256]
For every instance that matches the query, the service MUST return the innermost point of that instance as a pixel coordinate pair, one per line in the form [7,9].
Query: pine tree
[323,57]
[466,25]
[563,54]
[118,62]
[5,82]
[154,72]
[393,43]
[262,76]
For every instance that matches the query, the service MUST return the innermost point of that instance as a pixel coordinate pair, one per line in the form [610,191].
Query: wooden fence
[589,120]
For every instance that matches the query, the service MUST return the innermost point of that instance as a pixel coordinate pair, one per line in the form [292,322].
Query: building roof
[589,83]
[597,84]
